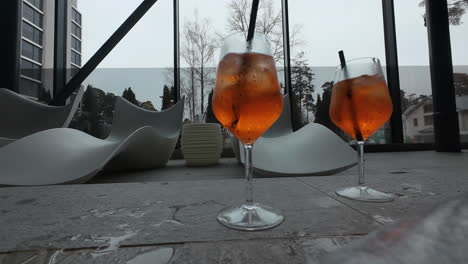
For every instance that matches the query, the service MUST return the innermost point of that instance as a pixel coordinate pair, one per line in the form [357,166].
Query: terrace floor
[169,215]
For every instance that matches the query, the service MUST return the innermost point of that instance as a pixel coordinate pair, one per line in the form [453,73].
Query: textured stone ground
[169,215]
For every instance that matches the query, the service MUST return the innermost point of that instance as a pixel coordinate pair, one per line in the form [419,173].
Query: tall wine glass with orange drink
[247,101]
[360,105]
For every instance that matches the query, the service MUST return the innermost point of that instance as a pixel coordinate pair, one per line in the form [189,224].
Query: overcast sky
[327,26]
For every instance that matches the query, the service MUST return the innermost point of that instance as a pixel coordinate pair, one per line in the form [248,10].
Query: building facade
[418,122]
[37,46]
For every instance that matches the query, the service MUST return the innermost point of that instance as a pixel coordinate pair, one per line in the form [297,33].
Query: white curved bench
[140,139]
[22,117]
[312,150]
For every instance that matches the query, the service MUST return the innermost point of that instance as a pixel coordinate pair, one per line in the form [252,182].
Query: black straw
[342,59]
[253,20]
[352,110]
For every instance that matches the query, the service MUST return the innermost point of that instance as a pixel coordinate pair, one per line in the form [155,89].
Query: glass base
[250,217]
[365,194]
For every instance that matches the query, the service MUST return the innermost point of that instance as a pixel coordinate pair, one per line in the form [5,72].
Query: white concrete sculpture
[20,116]
[312,150]
[140,139]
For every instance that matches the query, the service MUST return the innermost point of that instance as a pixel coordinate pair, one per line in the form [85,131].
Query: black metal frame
[10,19]
[393,76]
[287,58]
[446,130]
[60,49]
[439,40]
[175,7]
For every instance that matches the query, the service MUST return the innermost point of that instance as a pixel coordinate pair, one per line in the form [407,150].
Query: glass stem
[248,174]
[360,151]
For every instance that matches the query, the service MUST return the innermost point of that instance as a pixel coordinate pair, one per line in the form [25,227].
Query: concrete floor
[174,211]
[228,168]
[391,163]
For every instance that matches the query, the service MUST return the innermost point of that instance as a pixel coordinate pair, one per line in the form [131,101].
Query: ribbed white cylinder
[201,144]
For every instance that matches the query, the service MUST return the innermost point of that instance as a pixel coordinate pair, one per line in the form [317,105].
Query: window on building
[76,44]
[74,70]
[428,108]
[32,33]
[31,51]
[428,120]
[415,122]
[32,15]
[76,58]
[31,70]
[36,3]
[76,30]
[29,88]
[76,16]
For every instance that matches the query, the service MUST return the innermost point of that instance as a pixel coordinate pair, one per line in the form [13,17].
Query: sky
[325,27]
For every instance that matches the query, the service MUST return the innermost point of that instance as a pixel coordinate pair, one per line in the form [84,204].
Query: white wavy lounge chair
[22,117]
[312,150]
[140,139]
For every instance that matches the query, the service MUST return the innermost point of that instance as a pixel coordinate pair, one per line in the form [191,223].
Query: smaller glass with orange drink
[360,105]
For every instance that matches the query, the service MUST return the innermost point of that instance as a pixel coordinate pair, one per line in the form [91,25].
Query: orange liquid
[361,105]
[247,98]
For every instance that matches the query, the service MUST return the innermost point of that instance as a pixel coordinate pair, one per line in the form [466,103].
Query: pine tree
[302,88]
[167,99]
[130,96]
[323,111]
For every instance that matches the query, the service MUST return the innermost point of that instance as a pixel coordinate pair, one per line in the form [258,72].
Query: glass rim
[358,59]
[242,33]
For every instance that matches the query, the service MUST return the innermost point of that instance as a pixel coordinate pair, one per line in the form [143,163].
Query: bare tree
[189,55]
[198,50]
[269,22]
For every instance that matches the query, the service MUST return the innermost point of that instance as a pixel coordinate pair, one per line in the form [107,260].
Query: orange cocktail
[247,98]
[361,105]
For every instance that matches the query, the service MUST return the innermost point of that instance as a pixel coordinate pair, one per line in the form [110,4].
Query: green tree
[210,117]
[130,96]
[323,109]
[167,99]
[91,110]
[148,105]
[456,9]
[404,101]
[302,87]
[107,107]
[97,108]
[309,105]
[460,81]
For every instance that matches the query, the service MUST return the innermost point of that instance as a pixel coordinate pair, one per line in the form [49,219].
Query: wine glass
[360,105]
[247,101]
